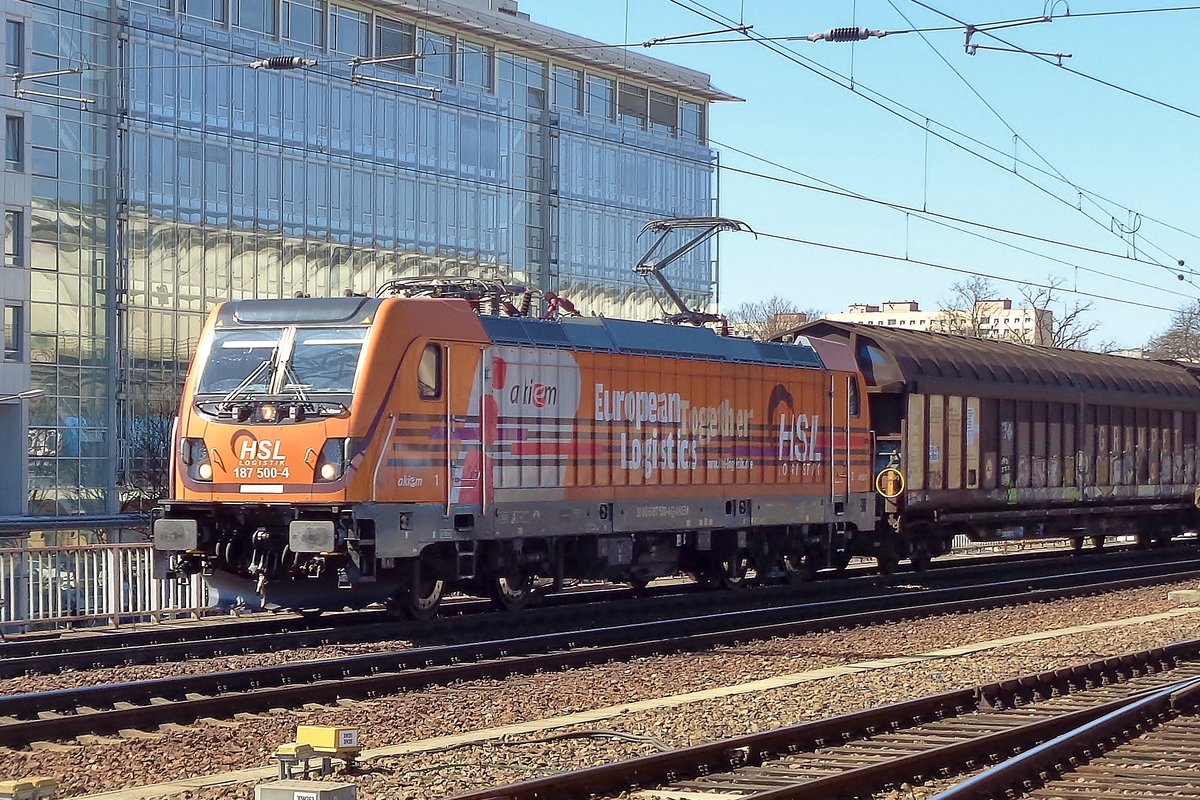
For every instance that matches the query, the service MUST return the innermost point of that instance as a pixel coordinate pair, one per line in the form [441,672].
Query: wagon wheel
[512,592]
[1076,544]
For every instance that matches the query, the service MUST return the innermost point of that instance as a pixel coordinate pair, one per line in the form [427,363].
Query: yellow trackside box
[28,789]
[327,739]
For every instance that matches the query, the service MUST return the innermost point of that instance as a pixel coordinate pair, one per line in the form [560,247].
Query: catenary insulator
[846,34]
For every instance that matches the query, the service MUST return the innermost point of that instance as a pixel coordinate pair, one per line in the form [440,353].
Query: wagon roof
[897,360]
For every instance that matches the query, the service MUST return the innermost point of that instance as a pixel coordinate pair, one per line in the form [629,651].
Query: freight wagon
[997,440]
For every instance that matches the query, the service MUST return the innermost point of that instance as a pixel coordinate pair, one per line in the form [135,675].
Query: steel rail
[103,708]
[40,655]
[1060,755]
[741,757]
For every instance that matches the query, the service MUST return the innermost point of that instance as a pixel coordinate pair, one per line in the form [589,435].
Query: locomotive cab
[282,427]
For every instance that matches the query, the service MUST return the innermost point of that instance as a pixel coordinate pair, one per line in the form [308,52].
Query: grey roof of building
[524,34]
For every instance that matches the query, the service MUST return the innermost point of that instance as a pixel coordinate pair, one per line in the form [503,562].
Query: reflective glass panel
[255,15]
[14,45]
[350,31]
[304,21]
[478,68]
[568,89]
[600,95]
[437,54]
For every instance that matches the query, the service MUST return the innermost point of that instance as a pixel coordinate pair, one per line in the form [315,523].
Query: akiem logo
[533,393]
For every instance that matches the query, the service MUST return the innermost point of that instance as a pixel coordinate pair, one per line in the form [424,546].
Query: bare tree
[145,477]
[764,319]
[967,312]
[1181,339]
[1068,329]
[963,312]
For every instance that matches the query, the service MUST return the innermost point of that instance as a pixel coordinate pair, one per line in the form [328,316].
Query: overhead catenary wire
[1043,57]
[903,112]
[960,270]
[622,208]
[1062,176]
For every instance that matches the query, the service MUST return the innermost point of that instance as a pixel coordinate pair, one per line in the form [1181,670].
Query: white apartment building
[989,319]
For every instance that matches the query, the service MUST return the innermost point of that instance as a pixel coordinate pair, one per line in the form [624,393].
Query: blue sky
[1127,161]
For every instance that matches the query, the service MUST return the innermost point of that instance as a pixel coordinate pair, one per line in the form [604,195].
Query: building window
[394,38]
[631,104]
[14,238]
[691,121]
[476,65]
[255,15]
[349,31]
[568,89]
[14,46]
[437,55]
[14,143]
[664,113]
[14,331]
[206,9]
[304,21]
[601,94]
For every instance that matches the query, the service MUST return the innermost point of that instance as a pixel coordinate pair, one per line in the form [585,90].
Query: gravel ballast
[248,740]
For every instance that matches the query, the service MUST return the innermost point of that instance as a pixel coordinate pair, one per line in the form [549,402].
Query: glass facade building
[154,170]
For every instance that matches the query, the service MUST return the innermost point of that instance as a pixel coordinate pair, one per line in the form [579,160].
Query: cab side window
[429,373]
[855,400]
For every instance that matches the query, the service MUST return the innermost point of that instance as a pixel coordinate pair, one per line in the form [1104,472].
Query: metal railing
[90,584]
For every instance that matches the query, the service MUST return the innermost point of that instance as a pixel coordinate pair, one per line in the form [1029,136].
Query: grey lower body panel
[423,525]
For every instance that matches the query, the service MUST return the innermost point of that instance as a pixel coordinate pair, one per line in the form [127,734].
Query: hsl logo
[249,448]
[533,393]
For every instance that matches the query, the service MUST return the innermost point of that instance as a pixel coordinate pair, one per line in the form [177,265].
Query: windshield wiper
[292,382]
[264,367]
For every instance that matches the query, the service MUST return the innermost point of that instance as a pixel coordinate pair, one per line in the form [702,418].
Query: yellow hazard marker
[889,483]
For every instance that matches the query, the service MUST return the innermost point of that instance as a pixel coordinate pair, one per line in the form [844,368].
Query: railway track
[1054,719]
[465,620]
[66,713]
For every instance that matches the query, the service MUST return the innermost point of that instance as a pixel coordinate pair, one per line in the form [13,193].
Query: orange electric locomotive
[335,452]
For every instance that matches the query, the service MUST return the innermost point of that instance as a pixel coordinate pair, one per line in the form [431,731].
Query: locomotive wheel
[638,584]
[730,572]
[1076,544]
[798,568]
[421,602]
[512,592]
[887,564]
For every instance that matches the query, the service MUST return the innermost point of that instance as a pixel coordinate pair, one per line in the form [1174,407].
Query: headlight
[194,455]
[332,462]
[268,412]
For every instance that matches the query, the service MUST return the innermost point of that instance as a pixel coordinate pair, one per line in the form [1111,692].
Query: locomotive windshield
[320,360]
[240,360]
[324,359]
